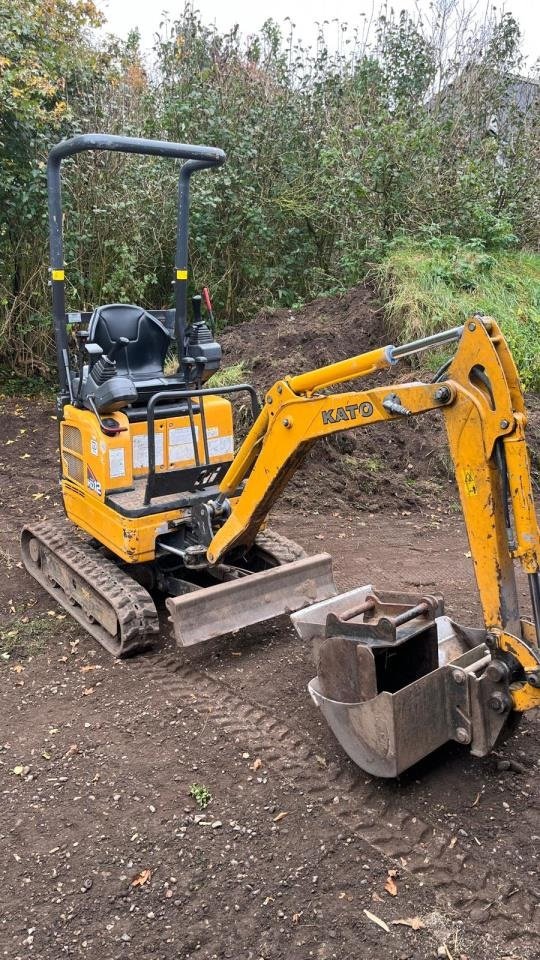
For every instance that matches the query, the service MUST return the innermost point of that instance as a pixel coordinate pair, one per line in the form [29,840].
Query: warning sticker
[117,464]
[221,446]
[181,444]
[140,450]
[470,483]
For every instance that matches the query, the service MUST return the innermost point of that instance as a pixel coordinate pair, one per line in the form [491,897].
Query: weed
[27,636]
[228,376]
[200,794]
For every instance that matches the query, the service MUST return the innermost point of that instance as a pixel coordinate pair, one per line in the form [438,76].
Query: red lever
[207,300]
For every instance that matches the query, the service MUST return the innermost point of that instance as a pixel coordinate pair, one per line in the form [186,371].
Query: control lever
[209,307]
[194,367]
[196,305]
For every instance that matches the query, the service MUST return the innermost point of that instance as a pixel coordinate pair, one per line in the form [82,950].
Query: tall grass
[437,284]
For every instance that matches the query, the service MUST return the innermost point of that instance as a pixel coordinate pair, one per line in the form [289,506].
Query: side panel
[94,465]
[91,459]
[131,539]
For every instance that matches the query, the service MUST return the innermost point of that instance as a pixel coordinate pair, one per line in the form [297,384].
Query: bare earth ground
[113,748]
[97,758]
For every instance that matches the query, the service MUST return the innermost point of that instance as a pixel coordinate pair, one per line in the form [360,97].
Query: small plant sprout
[200,794]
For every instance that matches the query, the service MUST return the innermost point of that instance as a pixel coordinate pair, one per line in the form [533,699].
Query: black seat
[143,358]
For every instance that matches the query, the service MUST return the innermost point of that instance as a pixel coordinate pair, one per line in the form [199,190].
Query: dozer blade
[214,611]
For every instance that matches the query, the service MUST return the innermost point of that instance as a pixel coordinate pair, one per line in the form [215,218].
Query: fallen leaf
[375,919]
[320,760]
[18,668]
[468,554]
[21,771]
[87,691]
[375,896]
[143,877]
[90,666]
[257,764]
[414,922]
[296,916]
[391,885]
[280,816]
[45,755]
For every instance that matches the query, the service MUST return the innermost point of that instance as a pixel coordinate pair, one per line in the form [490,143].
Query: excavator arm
[482,404]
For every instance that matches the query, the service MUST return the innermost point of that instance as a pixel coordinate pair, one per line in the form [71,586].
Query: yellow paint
[524,696]
[181,274]
[57,274]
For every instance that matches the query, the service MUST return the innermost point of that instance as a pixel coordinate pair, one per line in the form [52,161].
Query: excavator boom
[483,408]
[481,401]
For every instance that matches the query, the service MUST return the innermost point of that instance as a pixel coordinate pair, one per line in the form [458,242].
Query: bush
[329,158]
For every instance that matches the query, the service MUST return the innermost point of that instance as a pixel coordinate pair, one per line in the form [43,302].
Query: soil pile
[398,465]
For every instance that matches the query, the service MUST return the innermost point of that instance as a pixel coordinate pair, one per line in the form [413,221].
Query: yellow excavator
[157,500]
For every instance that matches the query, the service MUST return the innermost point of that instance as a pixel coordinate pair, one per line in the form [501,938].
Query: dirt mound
[398,465]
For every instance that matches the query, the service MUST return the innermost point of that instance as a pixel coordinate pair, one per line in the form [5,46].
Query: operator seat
[142,359]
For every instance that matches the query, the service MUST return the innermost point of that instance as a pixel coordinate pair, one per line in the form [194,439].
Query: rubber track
[133,606]
[281,548]
[506,910]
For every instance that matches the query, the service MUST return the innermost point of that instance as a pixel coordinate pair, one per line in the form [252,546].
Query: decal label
[117,463]
[92,483]
[181,444]
[350,412]
[140,450]
[221,446]
[470,483]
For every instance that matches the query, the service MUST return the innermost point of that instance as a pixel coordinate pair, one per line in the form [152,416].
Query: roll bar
[197,157]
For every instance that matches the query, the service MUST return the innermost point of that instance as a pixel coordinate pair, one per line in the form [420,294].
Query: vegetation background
[380,160]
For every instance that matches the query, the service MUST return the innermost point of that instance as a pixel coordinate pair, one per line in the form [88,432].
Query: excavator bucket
[215,611]
[396,679]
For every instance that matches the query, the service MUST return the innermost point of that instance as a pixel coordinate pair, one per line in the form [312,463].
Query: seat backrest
[143,357]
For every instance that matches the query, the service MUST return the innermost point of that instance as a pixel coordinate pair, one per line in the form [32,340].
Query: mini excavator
[157,500]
